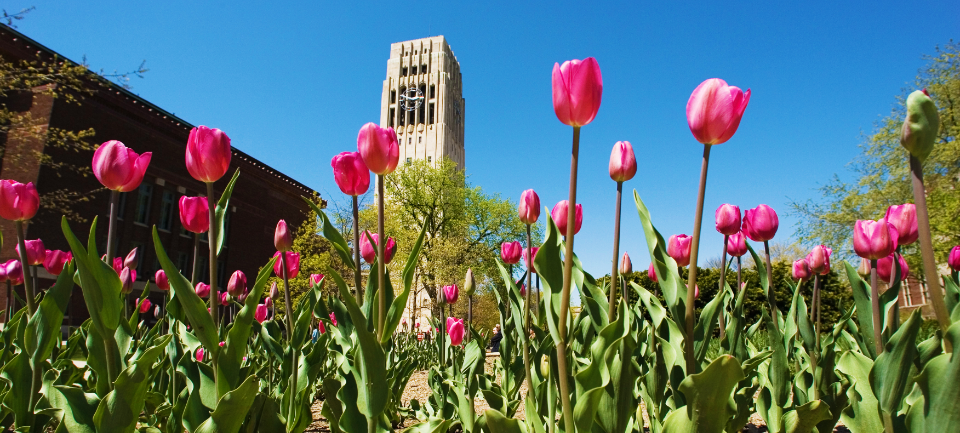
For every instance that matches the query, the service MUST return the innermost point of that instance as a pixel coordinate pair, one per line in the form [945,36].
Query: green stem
[195,269]
[815,356]
[381,277]
[214,294]
[356,250]
[930,271]
[723,284]
[295,351]
[875,303]
[771,296]
[111,226]
[25,269]
[612,296]
[690,312]
[564,374]
[526,318]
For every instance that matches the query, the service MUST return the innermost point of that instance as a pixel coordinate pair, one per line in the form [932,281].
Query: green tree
[882,175]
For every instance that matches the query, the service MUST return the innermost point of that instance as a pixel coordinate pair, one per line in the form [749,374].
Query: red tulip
[333,319]
[35,251]
[954,258]
[904,218]
[623,163]
[281,237]
[315,279]
[529,208]
[145,306]
[261,313]
[379,148]
[801,270]
[737,244]
[456,331]
[118,167]
[626,266]
[222,343]
[526,258]
[237,284]
[728,219]
[224,299]
[200,354]
[451,293]
[13,271]
[131,260]
[819,259]
[127,278]
[885,268]
[369,251]
[714,111]
[208,154]
[195,214]
[162,282]
[323,329]
[293,264]
[18,202]
[577,90]
[559,214]
[874,240]
[54,261]
[511,252]
[760,223]
[652,273]
[678,247]
[350,173]
[203,290]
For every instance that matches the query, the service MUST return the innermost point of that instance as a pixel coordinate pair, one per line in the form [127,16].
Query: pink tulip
[874,240]
[451,293]
[526,259]
[350,173]
[281,237]
[523,288]
[224,299]
[714,111]
[529,208]
[242,297]
[728,219]
[904,218]
[369,251]
[626,266]
[145,306]
[55,260]
[131,260]
[195,214]
[333,319]
[315,279]
[18,202]
[237,283]
[127,277]
[737,244]
[323,329]
[819,259]
[203,290]
[559,214]
[293,264]
[455,330]
[208,154]
[161,278]
[801,270]
[379,148]
[954,258]
[117,264]
[36,252]
[13,271]
[577,90]
[652,273]
[760,223]
[623,163]
[678,247]
[200,354]
[511,252]
[885,268]
[118,167]
[261,313]
[222,343]
[274,292]
[696,292]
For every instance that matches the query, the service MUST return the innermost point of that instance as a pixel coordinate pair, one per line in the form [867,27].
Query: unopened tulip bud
[577,90]
[162,282]
[200,355]
[904,218]
[760,223]
[954,258]
[379,148]
[451,293]
[922,125]
[714,111]
[529,208]
[260,314]
[208,153]
[224,299]
[292,261]
[626,266]
[274,291]
[545,366]
[202,290]
[526,259]
[145,306]
[18,201]
[864,268]
[281,237]
[874,240]
[350,173]
[36,252]
[118,167]
[801,270]
[560,215]
[195,214]
[315,279]
[237,284]
[737,244]
[511,252]
[55,260]
[623,163]
[678,247]
[885,268]
[652,273]
[469,283]
[131,261]
[127,277]
[819,259]
[728,219]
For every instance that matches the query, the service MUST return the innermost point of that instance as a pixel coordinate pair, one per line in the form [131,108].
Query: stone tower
[423,100]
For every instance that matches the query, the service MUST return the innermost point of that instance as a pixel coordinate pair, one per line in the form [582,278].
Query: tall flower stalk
[623,166]
[529,211]
[353,178]
[727,219]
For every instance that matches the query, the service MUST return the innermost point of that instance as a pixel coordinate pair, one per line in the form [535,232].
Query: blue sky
[292,83]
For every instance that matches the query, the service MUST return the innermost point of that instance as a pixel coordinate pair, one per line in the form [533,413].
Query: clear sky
[292,83]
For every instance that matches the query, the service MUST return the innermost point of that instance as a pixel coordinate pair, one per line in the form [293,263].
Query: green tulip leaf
[120,410]
[671,285]
[498,423]
[891,372]
[806,417]
[43,328]
[863,413]
[333,235]
[550,268]
[938,383]
[708,395]
[231,409]
[395,314]
[99,282]
[235,347]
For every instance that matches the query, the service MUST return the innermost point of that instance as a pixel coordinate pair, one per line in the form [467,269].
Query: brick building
[261,197]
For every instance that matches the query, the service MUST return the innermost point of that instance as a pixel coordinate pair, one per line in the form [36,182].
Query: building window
[410,117]
[429,159]
[226,227]
[431,113]
[419,139]
[393,96]
[413,70]
[393,114]
[423,69]
[143,203]
[121,205]
[433,91]
[141,259]
[410,140]
[166,211]
[403,73]
[220,271]
[409,160]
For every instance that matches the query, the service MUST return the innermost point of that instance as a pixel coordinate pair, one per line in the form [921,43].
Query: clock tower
[423,100]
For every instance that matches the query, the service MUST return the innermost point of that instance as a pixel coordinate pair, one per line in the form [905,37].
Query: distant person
[495,340]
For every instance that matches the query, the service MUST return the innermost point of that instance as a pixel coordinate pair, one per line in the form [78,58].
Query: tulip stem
[692,278]
[25,270]
[214,294]
[723,287]
[875,303]
[739,275]
[815,356]
[526,315]
[195,270]
[771,297]
[356,249]
[381,284]
[294,351]
[469,316]
[562,378]
[612,296]
[111,225]
[926,247]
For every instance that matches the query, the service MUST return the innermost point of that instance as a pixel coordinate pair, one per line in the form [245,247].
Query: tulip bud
[281,237]
[954,258]
[368,250]
[526,258]
[652,273]
[118,167]
[274,292]
[626,266]
[131,261]
[904,218]
[885,270]
[224,299]
[54,261]
[200,354]
[728,219]
[379,148]
[350,173]
[511,252]
[760,223]
[315,279]
[714,111]
[195,214]
[333,319]
[801,270]
[696,292]
[117,264]
[864,268]
[127,277]
[261,313]
[321,328]
[560,216]
[577,90]
[874,240]
[161,279]
[523,289]
[623,163]
[819,259]
[36,252]
[145,306]
[18,201]
[292,260]
[678,247]
[237,283]
[545,366]
[203,290]
[456,331]
[14,271]
[242,298]
[737,244]
[469,284]
[529,208]
[922,125]
[451,293]
[222,343]
[156,311]
[208,154]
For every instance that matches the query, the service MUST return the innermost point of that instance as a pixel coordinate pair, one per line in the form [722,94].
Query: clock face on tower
[411,99]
